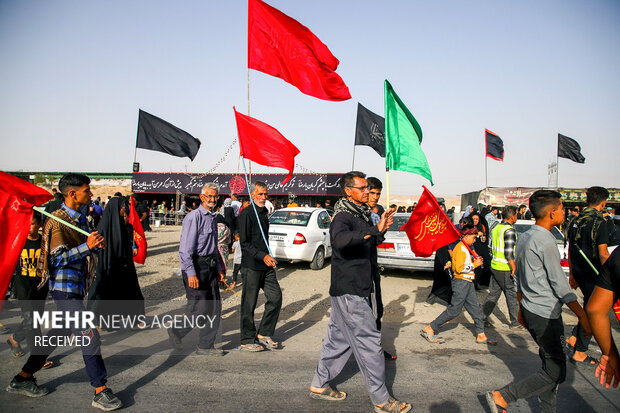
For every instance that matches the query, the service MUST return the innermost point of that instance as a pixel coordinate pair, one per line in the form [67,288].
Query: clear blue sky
[74,73]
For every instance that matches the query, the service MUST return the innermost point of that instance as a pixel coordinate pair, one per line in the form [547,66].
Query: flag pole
[242,159]
[486,173]
[353,162]
[62,221]
[254,207]
[387,185]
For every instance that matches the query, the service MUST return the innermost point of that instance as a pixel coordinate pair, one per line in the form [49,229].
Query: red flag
[17,197]
[263,144]
[429,228]
[138,233]
[282,47]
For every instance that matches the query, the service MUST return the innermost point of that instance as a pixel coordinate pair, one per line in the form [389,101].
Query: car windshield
[399,221]
[284,217]
[555,231]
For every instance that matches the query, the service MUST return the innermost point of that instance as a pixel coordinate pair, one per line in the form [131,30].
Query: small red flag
[17,197]
[138,233]
[282,47]
[429,228]
[263,144]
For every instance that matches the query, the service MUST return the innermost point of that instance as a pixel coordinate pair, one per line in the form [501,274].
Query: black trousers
[583,340]
[253,281]
[547,333]
[204,304]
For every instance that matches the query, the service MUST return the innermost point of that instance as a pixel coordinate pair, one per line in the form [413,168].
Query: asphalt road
[150,377]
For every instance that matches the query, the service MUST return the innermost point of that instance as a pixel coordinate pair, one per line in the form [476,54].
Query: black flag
[158,135]
[569,148]
[370,130]
[494,145]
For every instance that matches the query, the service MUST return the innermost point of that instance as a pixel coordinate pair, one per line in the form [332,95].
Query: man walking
[503,241]
[375,187]
[542,289]
[352,326]
[492,218]
[202,269]
[257,271]
[589,234]
[65,259]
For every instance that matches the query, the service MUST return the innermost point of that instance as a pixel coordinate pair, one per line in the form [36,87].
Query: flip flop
[329,394]
[495,408]
[49,365]
[269,343]
[431,338]
[588,361]
[388,356]
[252,348]
[16,350]
[488,342]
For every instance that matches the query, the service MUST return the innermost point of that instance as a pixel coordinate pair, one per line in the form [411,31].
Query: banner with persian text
[186,183]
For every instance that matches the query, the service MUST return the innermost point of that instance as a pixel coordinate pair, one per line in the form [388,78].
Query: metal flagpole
[254,207]
[249,162]
[486,173]
[353,162]
[387,185]
[557,172]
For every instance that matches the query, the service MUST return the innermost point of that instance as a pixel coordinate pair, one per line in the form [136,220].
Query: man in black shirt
[257,271]
[589,234]
[606,293]
[352,326]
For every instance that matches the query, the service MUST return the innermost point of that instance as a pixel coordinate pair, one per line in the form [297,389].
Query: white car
[523,225]
[395,251]
[301,234]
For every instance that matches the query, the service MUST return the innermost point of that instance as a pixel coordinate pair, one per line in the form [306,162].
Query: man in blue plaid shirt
[64,256]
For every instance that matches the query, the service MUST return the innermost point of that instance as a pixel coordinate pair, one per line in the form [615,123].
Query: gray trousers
[463,295]
[501,281]
[352,328]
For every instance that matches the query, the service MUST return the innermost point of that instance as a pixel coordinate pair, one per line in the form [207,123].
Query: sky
[73,75]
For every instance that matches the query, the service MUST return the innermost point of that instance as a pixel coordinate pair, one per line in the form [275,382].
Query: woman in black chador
[115,289]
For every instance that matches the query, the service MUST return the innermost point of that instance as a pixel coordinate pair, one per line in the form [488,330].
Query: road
[148,376]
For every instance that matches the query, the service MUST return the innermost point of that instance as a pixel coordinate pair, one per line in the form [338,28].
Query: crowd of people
[96,272]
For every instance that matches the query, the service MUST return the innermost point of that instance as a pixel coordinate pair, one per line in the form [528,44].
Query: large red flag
[17,197]
[263,144]
[429,228]
[138,233]
[282,47]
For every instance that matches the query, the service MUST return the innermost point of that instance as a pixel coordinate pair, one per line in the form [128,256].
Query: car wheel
[319,259]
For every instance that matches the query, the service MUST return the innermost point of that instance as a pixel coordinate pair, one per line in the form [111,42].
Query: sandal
[269,343]
[431,338]
[589,361]
[487,342]
[16,350]
[329,394]
[252,348]
[494,407]
[393,406]
[488,324]
[517,327]
[49,364]
[388,356]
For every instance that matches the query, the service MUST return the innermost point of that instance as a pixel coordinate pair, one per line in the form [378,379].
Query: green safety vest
[499,261]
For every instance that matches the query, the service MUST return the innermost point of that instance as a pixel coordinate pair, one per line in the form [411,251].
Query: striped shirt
[68,266]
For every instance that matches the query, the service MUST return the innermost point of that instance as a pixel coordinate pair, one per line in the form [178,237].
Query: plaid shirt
[68,267]
[510,239]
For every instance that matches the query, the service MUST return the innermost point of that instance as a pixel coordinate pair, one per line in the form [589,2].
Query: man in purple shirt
[202,269]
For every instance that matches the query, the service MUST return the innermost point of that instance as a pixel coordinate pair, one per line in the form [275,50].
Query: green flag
[403,136]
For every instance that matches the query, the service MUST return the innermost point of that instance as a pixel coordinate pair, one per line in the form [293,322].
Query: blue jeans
[95,368]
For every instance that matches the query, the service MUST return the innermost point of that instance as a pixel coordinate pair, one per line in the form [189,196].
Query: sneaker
[210,352]
[106,400]
[27,388]
[175,341]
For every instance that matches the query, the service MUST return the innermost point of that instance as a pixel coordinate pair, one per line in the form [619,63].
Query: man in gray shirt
[542,289]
